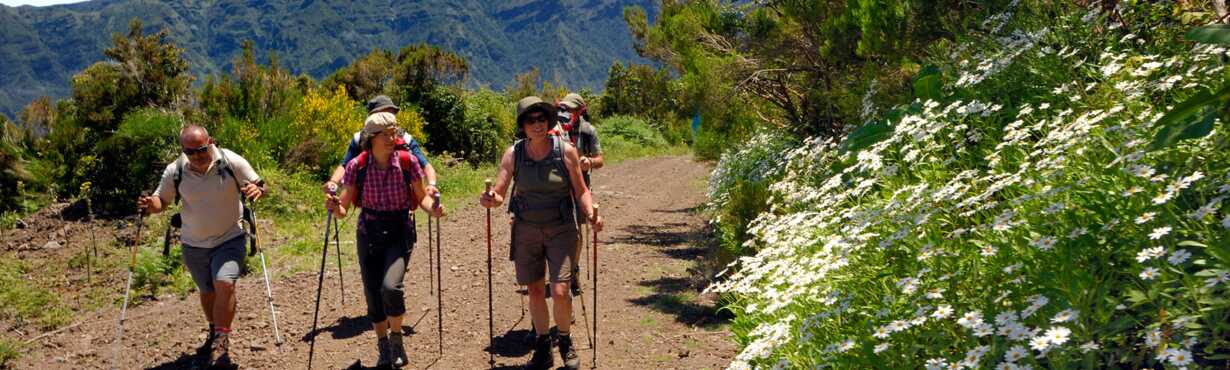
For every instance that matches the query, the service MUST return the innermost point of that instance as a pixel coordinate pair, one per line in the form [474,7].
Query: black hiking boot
[385,359]
[542,359]
[533,334]
[567,353]
[397,350]
[219,353]
[202,352]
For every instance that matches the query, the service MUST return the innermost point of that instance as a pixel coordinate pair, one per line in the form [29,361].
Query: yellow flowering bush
[328,119]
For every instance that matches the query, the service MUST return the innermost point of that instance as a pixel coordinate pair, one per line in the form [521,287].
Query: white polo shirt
[212,211]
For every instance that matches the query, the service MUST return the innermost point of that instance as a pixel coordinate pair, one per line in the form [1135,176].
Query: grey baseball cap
[572,101]
[379,103]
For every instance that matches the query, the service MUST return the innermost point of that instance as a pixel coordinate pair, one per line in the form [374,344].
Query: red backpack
[405,159]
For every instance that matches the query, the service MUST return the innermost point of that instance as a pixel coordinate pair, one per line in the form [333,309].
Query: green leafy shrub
[12,171]
[132,160]
[632,129]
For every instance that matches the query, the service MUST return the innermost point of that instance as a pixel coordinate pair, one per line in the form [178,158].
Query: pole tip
[487,183]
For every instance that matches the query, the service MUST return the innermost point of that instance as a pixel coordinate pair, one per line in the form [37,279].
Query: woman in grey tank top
[549,196]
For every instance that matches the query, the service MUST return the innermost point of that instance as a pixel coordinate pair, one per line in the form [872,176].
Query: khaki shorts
[542,249]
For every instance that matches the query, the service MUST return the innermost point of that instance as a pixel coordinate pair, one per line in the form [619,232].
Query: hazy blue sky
[37,2]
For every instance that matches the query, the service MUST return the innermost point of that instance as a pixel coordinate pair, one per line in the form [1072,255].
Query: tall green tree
[141,70]
[366,77]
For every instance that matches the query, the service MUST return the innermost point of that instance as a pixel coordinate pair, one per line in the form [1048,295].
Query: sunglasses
[194,151]
[535,118]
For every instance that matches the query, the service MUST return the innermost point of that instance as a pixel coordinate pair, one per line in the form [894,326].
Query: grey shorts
[544,249]
[221,263]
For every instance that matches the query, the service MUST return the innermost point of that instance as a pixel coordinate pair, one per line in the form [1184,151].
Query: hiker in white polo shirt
[209,180]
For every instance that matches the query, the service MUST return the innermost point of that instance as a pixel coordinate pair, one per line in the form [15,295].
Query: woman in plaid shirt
[384,227]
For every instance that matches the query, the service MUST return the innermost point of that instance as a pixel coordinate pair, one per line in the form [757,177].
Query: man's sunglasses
[193,151]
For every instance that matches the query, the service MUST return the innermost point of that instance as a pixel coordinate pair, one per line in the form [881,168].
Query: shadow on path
[677,296]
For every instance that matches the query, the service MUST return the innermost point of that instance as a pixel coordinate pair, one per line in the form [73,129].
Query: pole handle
[487,185]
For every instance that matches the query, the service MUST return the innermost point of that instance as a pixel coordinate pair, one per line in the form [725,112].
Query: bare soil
[650,312]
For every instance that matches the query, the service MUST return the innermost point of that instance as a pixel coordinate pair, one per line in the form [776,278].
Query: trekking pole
[320,282]
[595,277]
[490,294]
[277,335]
[439,280]
[89,265]
[132,266]
[337,244]
[431,279]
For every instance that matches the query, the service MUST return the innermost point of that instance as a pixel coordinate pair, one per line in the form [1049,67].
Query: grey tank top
[542,188]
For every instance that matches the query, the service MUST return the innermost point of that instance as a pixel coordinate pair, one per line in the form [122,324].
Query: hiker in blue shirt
[382,103]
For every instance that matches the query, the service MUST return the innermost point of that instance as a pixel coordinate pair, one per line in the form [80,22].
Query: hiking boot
[397,351]
[542,359]
[567,353]
[219,352]
[531,337]
[203,351]
[385,358]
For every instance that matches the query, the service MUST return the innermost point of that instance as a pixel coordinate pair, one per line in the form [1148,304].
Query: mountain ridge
[44,46]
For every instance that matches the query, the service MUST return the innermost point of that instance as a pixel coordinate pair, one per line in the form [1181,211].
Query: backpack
[402,152]
[224,169]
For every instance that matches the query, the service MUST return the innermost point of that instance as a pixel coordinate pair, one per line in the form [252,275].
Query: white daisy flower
[1058,335]
[942,311]
[1148,216]
[1090,346]
[1040,343]
[1179,256]
[1149,273]
[1158,233]
[1064,316]
[1178,357]
[880,347]
[1015,353]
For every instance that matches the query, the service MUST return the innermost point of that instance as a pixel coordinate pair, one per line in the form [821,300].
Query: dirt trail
[651,315]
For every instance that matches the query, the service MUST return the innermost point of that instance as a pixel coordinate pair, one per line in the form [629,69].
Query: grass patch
[24,301]
[9,350]
[649,322]
[27,204]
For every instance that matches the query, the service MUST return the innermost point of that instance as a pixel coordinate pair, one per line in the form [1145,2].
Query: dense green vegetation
[1041,186]
[45,46]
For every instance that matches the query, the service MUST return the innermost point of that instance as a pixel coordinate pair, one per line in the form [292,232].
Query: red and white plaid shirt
[384,189]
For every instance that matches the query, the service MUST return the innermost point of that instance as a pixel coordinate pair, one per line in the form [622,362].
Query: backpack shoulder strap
[518,156]
[403,158]
[557,157]
[360,176]
[225,166]
[179,176]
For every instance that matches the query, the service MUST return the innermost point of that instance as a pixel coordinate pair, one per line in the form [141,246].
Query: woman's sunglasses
[535,118]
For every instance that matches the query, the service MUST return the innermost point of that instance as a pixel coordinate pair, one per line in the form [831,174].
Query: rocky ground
[650,312]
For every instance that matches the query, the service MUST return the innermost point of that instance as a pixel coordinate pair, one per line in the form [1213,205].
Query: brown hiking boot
[219,352]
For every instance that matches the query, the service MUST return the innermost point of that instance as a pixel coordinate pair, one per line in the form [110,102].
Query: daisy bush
[1021,221]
